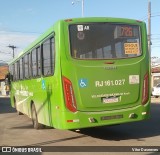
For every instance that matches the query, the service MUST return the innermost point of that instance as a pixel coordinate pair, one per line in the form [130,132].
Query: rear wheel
[36,125]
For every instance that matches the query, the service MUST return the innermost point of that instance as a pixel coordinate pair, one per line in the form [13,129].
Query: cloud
[20,40]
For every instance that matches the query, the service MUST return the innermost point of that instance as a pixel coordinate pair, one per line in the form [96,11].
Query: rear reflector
[69,95]
[145,94]
[73,121]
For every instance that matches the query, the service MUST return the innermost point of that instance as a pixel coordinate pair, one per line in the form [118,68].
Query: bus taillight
[145,93]
[69,95]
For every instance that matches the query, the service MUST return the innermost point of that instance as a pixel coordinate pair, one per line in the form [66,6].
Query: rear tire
[36,125]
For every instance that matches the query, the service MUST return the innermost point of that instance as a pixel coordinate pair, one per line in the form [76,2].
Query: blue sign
[83,83]
[43,84]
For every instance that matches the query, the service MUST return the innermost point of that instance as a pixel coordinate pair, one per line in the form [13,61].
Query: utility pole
[149,26]
[82,8]
[12,47]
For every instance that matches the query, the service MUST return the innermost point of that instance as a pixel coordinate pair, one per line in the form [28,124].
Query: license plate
[110,100]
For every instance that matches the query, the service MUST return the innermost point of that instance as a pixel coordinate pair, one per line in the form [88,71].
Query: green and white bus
[84,72]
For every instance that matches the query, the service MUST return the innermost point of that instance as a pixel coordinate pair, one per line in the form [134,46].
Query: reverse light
[69,95]
[145,94]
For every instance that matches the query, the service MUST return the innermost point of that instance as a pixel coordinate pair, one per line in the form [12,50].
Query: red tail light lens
[69,95]
[145,94]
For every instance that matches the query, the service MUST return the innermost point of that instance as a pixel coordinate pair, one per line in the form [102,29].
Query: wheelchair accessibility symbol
[83,83]
[43,84]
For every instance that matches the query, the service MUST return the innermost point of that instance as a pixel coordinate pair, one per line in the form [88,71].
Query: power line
[144,18]
[155,16]
[5,53]
[155,46]
[156,34]
[16,31]
[156,13]
[3,61]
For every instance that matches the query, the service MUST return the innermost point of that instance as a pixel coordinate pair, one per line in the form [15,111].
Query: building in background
[3,71]
[155,78]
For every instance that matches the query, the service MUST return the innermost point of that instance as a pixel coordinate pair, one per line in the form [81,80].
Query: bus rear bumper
[81,119]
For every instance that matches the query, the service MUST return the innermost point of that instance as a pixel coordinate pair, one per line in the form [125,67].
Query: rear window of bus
[104,41]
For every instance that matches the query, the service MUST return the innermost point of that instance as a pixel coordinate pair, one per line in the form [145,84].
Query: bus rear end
[105,72]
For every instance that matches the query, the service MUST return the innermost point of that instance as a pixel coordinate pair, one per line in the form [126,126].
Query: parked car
[156,91]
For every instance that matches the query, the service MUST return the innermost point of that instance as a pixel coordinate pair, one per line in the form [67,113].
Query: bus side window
[52,46]
[48,57]
[15,71]
[21,69]
[38,61]
[26,65]
[34,63]
[30,72]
